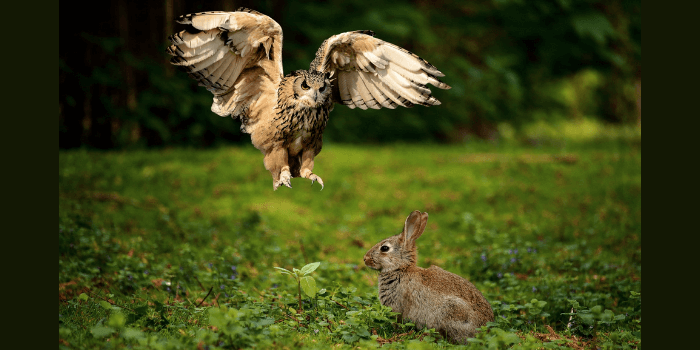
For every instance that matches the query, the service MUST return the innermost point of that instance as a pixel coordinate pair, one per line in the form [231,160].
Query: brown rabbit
[432,297]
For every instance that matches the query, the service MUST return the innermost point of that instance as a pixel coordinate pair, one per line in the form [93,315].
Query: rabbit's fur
[431,297]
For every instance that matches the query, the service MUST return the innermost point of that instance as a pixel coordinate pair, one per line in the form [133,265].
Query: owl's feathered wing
[235,55]
[238,57]
[372,73]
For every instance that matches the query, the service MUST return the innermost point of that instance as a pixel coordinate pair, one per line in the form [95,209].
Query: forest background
[509,63]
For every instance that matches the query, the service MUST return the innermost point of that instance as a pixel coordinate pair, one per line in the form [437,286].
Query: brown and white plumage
[238,57]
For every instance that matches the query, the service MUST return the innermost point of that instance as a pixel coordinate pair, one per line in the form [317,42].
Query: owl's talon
[314,178]
[285,179]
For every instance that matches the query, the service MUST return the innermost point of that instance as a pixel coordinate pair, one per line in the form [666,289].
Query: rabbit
[431,297]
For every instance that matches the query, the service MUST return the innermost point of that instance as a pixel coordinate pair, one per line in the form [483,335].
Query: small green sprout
[307,283]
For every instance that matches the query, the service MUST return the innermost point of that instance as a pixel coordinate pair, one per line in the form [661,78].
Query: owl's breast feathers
[298,126]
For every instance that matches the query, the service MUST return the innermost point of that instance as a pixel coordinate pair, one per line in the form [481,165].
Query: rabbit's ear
[413,228]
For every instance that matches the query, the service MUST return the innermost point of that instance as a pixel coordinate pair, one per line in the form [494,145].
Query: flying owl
[238,57]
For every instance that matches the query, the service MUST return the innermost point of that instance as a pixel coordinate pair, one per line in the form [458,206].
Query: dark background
[507,61]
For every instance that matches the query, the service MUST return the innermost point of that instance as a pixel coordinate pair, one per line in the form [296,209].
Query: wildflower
[145,272]
[500,275]
[515,251]
[233,277]
[223,287]
[131,277]
[512,260]
[275,285]
[210,265]
[315,330]
[529,250]
[510,251]
[233,268]
[483,257]
[534,289]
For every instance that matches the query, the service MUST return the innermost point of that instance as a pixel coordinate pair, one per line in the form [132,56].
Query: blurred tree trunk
[97,121]
[126,97]
[71,98]
[619,105]
[168,26]
[71,102]
[638,89]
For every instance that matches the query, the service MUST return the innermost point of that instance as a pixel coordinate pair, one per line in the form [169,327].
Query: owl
[237,56]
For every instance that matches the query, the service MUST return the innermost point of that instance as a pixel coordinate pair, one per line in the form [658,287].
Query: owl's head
[311,89]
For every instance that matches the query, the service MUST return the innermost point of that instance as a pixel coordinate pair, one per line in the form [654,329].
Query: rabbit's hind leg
[457,321]
[459,331]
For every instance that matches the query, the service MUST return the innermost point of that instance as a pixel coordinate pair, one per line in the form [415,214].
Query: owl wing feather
[372,73]
[235,55]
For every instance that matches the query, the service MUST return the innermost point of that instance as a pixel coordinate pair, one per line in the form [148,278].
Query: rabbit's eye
[384,248]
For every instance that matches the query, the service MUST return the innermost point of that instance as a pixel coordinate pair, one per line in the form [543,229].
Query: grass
[176,248]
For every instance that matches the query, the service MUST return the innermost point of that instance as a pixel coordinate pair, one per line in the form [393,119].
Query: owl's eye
[304,86]
[384,248]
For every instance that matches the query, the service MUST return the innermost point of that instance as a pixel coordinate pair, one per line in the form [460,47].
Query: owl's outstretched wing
[235,55]
[372,73]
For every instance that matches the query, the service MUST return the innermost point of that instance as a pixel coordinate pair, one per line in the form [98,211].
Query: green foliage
[588,321]
[242,327]
[304,282]
[176,248]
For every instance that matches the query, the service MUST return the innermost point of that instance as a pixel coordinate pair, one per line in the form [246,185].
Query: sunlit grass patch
[168,238]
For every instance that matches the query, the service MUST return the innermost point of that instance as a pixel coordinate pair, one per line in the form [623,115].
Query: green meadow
[177,248]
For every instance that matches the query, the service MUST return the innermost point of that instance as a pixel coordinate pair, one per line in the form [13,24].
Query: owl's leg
[276,162]
[307,164]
